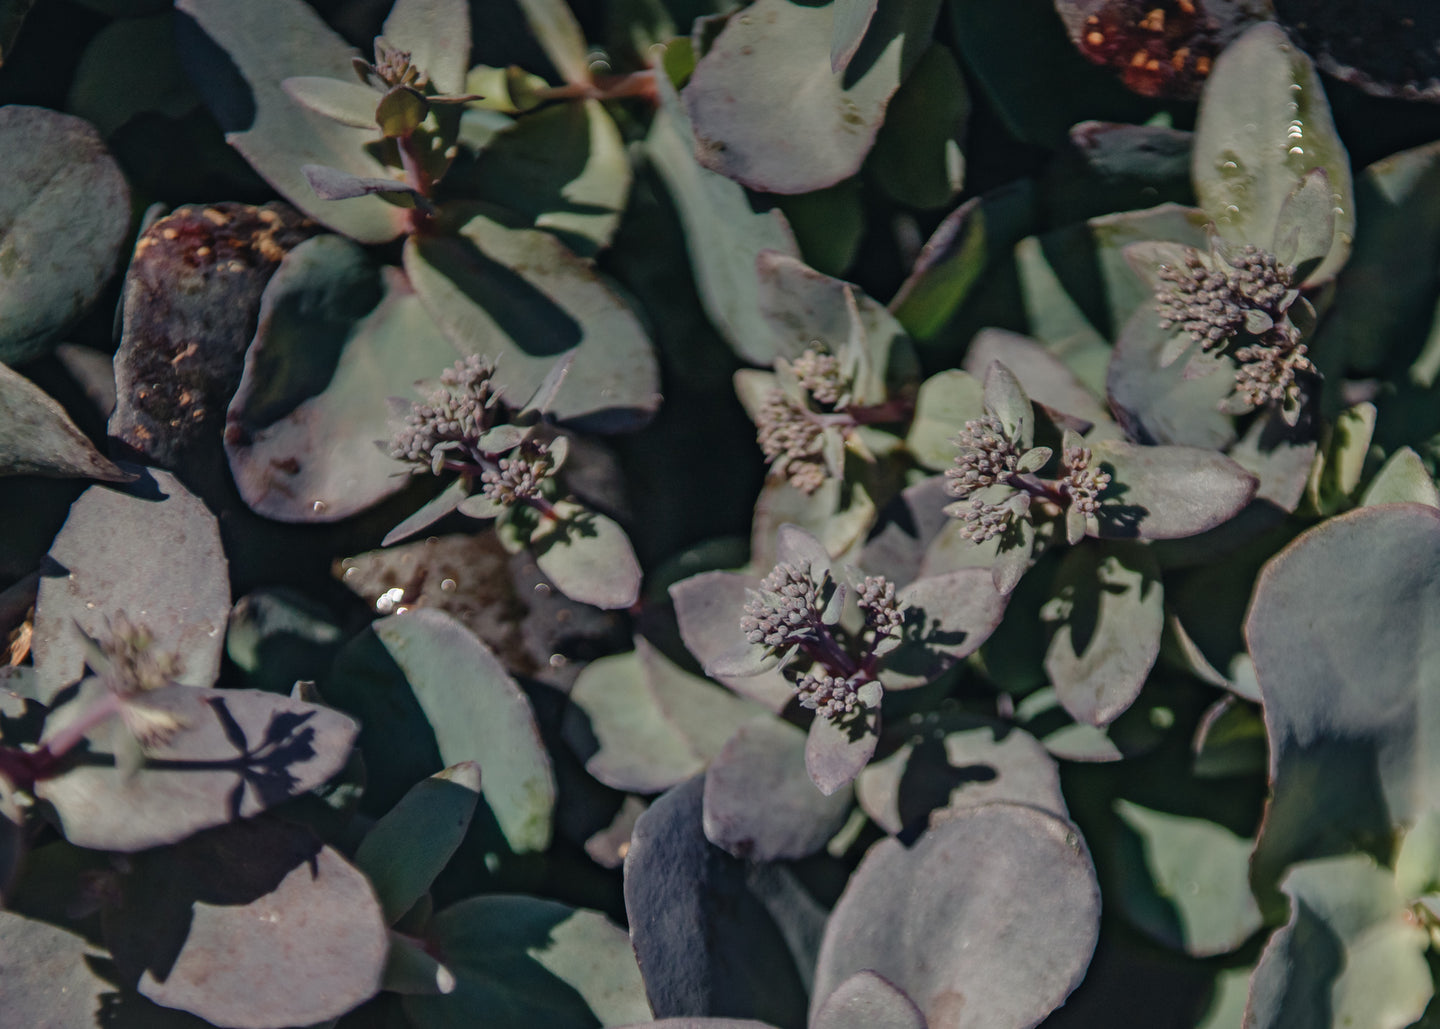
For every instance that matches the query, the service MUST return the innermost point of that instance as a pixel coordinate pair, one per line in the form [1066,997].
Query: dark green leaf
[131,68]
[37,437]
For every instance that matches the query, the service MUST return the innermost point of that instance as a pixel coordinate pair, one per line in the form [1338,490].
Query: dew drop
[542,589]
[448,585]
[1338,212]
[1229,166]
[387,601]
[1296,151]
[745,19]
[90,604]
[557,661]
[1192,888]
[319,506]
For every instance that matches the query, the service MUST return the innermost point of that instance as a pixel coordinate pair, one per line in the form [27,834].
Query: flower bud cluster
[1210,303]
[135,664]
[876,597]
[981,521]
[519,476]
[792,441]
[1083,483]
[457,413]
[787,610]
[819,374]
[1268,370]
[987,457]
[830,696]
[392,67]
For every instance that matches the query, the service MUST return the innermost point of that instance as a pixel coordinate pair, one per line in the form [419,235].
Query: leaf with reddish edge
[836,752]
[236,753]
[865,1001]
[995,908]
[766,758]
[198,925]
[1160,493]
[156,557]
[822,134]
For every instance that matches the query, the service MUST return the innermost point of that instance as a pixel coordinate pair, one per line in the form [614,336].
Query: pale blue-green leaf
[1403,478]
[945,402]
[345,101]
[266,42]
[436,34]
[64,213]
[1263,124]
[1042,375]
[852,18]
[452,498]
[37,437]
[560,36]
[1158,403]
[1417,865]
[868,1001]
[821,134]
[588,557]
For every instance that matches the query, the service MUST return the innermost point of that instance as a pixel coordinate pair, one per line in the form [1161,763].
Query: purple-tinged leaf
[1005,398]
[159,561]
[906,527]
[652,724]
[953,763]
[709,607]
[334,184]
[301,430]
[947,618]
[192,297]
[840,514]
[403,852]
[990,918]
[267,42]
[521,962]
[835,752]
[1105,619]
[1263,124]
[520,297]
[1340,626]
[65,208]
[201,923]
[1043,376]
[822,133]
[867,1001]
[766,759]
[345,101]
[51,980]
[1160,493]
[236,753]
[588,557]
[447,501]
[1351,953]
[706,944]
[436,34]
[37,437]
[461,705]
[946,401]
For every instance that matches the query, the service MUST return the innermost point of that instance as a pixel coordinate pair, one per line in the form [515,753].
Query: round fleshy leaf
[234,754]
[522,299]
[523,961]
[1263,124]
[38,437]
[66,210]
[200,924]
[157,558]
[1159,493]
[947,617]
[917,159]
[1340,628]
[946,401]
[708,607]
[822,133]
[1043,376]
[866,1001]
[560,36]
[653,723]
[1155,402]
[1106,618]
[706,944]
[953,763]
[562,168]
[989,919]
[238,55]
[906,527]
[428,691]
[723,234]
[1187,881]
[840,514]
[301,430]
[766,759]
[836,752]
[50,976]
[404,851]
[1402,479]
[588,557]
[1351,953]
